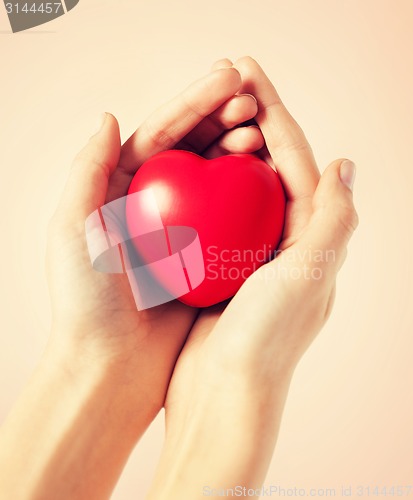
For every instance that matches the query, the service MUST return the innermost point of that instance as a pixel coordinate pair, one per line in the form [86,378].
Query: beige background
[344,68]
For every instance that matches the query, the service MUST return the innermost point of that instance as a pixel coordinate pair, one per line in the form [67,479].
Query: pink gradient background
[345,70]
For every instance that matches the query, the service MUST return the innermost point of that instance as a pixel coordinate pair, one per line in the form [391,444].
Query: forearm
[226,439]
[71,431]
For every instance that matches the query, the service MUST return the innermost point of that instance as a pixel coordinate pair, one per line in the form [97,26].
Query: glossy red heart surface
[235,203]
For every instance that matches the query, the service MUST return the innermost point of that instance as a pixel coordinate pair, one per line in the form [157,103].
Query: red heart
[236,203]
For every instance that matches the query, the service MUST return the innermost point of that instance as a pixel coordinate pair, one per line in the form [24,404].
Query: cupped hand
[226,396]
[104,374]
[94,314]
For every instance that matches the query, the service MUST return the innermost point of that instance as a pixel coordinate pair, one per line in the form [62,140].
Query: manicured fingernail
[348,173]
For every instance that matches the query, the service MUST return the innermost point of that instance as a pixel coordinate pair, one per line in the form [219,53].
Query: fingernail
[348,173]
[226,68]
[100,122]
[253,97]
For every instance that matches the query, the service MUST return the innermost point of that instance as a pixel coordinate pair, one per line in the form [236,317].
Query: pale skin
[223,373]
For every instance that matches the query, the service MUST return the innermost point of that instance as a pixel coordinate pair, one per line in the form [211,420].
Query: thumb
[334,217]
[86,188]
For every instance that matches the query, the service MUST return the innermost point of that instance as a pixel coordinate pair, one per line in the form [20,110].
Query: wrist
[224,436]
[77,421]
[109,379]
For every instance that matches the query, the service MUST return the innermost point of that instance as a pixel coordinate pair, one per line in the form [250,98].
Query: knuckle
[95,166]
[348,218]
[193,106]
[158,135]
[294,140]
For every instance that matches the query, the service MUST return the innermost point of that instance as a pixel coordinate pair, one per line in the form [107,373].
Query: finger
[87,185]
[173,121]
[221,63]
[205,323]
[334,217]
[243,140]
[235,111]
[286,142]
[167,126]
